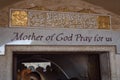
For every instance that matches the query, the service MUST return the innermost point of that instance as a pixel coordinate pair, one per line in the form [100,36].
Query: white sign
[54,36]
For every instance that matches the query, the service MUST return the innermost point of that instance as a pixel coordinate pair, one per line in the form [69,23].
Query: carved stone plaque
[55,19]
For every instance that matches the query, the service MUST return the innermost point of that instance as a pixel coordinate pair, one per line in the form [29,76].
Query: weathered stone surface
[53,5]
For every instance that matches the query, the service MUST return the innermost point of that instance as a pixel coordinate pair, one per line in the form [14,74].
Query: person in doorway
[33,76]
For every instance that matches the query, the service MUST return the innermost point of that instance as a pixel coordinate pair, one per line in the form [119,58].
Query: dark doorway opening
[56,65]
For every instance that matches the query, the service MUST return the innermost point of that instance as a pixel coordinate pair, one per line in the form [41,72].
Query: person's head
[34,76]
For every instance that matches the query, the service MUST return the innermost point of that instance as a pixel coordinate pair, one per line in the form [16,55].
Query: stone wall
[55,5]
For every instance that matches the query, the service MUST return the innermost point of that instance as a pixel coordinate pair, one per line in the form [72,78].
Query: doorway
[57,65]
[106,54]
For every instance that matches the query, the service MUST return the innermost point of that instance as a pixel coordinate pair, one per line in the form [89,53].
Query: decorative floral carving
[19,18]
